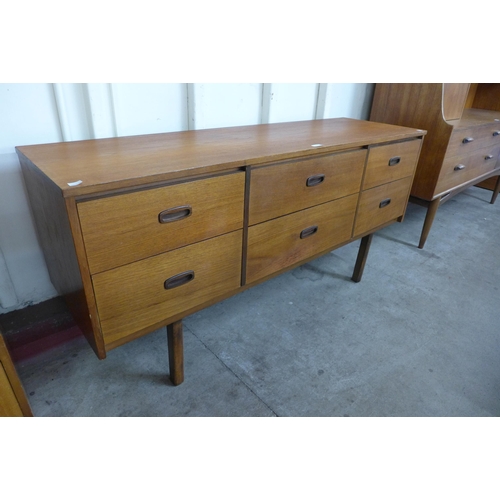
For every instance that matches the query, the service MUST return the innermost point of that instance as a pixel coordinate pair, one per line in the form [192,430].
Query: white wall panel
[72,111]
[100,110]
[148,108]
[215,105]
[286,102]
[42,113]
[23,256]
[27,116]
[350,100]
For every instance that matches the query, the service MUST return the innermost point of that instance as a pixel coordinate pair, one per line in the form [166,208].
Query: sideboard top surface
[93,166]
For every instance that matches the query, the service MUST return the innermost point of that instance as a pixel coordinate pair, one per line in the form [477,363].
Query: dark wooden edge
[58,230]
[84,309]
[364,248]
[246,217]
[14,380]
[175,352]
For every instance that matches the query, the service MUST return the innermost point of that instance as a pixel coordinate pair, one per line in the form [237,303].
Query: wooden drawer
[391,162]
[134,297]
[282,242]
[483,137]
[281,189]
[121,229]
[458,170]
[381,204]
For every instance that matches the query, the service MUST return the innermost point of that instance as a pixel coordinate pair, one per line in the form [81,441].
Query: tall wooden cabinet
[13,400]
[462,145]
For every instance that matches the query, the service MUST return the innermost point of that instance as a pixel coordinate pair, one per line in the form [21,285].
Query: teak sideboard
[462,146]
[139,232]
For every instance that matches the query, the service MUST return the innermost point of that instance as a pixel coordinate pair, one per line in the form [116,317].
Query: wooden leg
[175,352]
[364,247]
[495,191]
[429,219]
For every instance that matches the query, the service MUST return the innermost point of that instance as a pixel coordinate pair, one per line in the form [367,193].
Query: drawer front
[381,204]
[141,294]
[465,141]
[121,229]
[292,186]
[458,170]
[391,162]
[282,242]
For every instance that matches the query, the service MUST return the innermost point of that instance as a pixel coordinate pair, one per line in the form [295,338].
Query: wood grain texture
[133,297]
[60,239]
[277,244]
[454,98]
[115,163]
[378,168]
[370,214]
[13,400]
[419,106]
[280,189]
[487,96]
[130,222]
[9,406]
[474,165]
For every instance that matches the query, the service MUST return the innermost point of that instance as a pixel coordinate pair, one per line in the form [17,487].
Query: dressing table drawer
[391,162]
[138,295]
[284,188]
[282,242]
[127,227]
[381,204]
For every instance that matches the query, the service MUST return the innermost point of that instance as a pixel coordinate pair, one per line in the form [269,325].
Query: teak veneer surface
[115,163]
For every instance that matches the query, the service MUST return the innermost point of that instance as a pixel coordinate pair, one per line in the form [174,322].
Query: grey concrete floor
[418,336]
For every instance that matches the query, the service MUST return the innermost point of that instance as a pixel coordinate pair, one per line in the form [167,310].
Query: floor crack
[232,371]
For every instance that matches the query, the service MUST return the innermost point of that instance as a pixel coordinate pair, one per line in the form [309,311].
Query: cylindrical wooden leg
[495,191]
[175,352]
[364,247]
[429,219]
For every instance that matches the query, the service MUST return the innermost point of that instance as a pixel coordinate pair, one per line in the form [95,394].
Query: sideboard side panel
[48,208]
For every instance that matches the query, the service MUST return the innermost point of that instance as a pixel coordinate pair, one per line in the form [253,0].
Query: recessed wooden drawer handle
[497,132]
[488,157]
[308,231]
[466,140]
[179,279]
[175,213]
[384,203]
[314,180]
[394,161]
[459,167]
